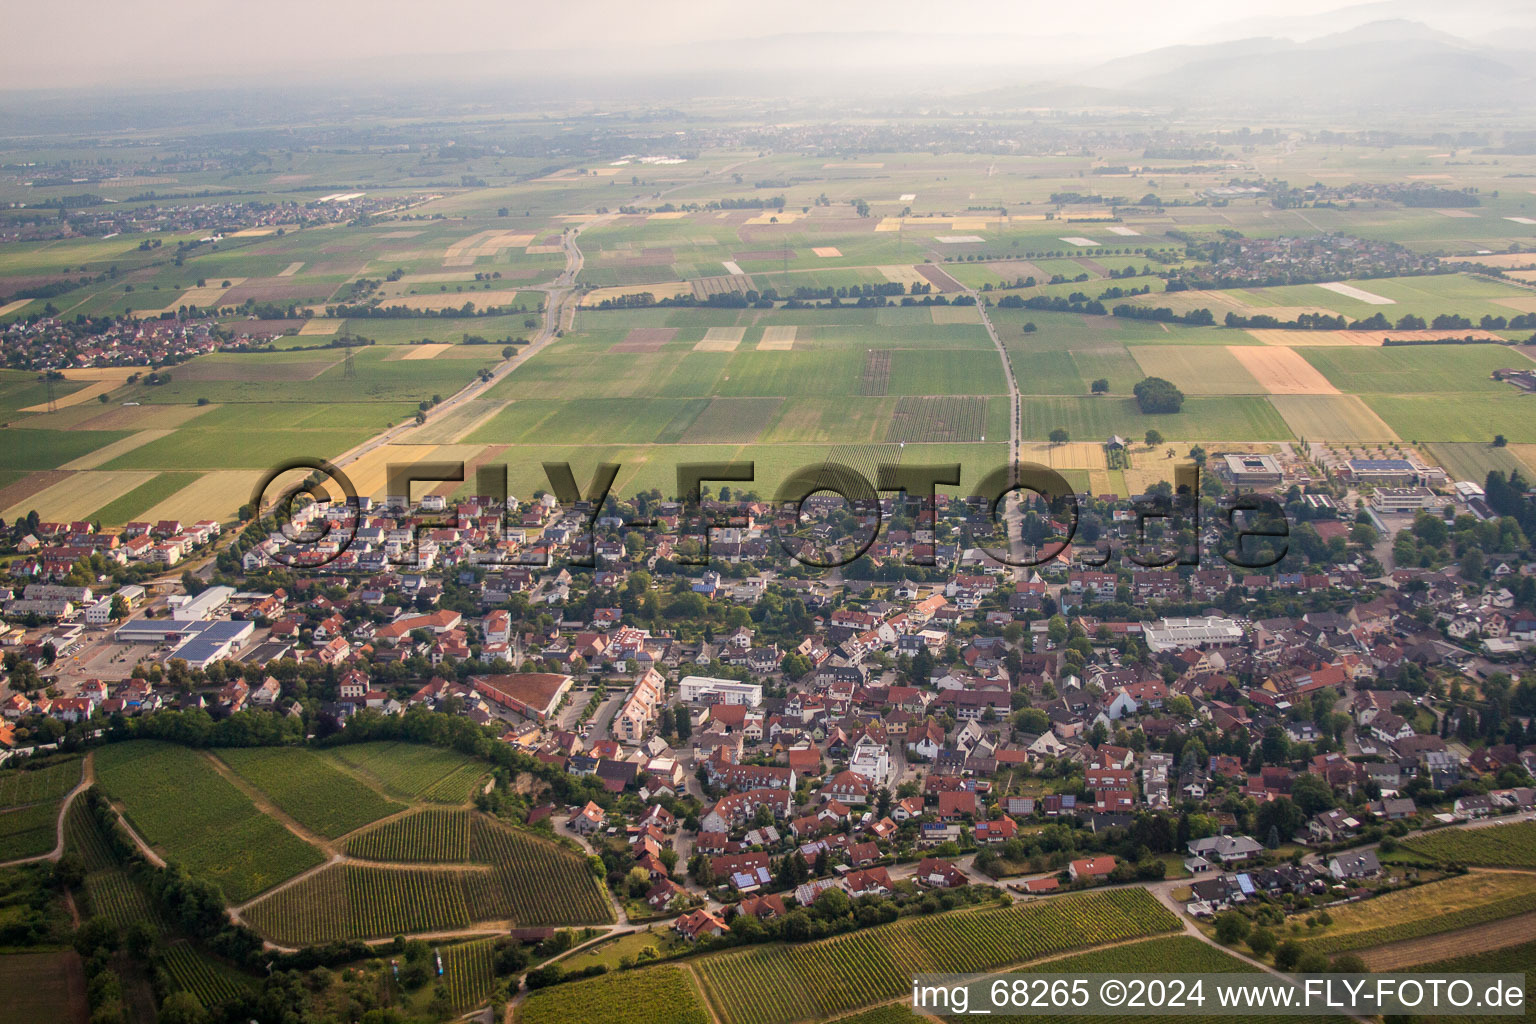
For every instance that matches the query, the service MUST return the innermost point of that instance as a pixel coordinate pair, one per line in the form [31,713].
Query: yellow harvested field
[1526,453]
[291,269]
[544,250]
[11,307]
[85,394]
[1335,417]
[465,251]
[101,372]
[441,277]
[1366,339]
[1072,455]
[664,290]
[80,494]
[827,252]
[1505,260]
[423,351]
[889,224]
[320,325]
[971,223]
[106,453]
[777,339]
[370,474]
[214,495]
[1282,371]
[453,300]
[853,166]
[255,232]
[904,274]
[771,217]
[668,215]
[209,295]
[721,339]
[955,314]
[1523,305]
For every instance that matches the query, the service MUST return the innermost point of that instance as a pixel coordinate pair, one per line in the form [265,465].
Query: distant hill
[1384,64]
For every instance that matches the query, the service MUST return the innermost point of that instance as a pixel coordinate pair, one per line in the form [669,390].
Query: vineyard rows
[82,836]
[657,995]
[430,834]
[177,801]
[45,784]
[1512,846]
[29,807]
[28,831]
[353,901]
[310,788]
[210,983]
[775,984]
[414,771]
[468,973]
[114,895]
[536,882]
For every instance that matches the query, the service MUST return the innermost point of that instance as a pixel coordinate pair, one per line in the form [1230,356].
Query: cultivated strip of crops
[19,787]
[210,983]
[1426,910]
[775,984]
[657,995]
[415,771]
[467,972]
[354,901]
[535,882]
[430,834]
[310,788]
[178,802]
[1511,846]
[114,895]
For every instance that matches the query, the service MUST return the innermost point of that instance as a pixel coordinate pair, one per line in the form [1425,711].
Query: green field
[180,804]
[1504,846]
[658,995]
[29,807]
[414,771]
[308,787]
[430,834]
[505,875]
[774,984]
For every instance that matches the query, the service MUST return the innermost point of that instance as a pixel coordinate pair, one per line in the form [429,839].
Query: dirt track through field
[1480,938]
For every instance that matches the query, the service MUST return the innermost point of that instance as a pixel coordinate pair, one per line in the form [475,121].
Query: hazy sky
[89,42]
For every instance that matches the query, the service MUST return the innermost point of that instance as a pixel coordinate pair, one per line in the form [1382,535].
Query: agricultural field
[29,807]
[310,789]
[651,996]
[430,834]
[1518,959]
[180,804]
[354,901]
[413,771]
[209,981]
[507,875]
[775,984]
[467,972]
[44,988]
[1505,846]
[1443,906]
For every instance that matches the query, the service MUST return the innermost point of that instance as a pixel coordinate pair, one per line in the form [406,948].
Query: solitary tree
[1154,438]
[1060,436]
